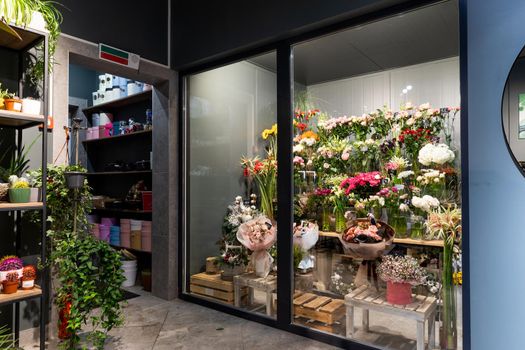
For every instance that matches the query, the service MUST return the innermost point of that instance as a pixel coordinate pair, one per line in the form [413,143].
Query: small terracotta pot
[398,293]
[13,104]
[28,284]
[9,287]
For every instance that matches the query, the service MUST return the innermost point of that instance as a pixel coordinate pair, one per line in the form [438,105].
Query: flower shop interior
[309,171]
[376,176]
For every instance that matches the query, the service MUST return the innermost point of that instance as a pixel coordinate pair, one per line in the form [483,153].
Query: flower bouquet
[363,184]
[305,236]
[367,239]
[258,235]
[400,273]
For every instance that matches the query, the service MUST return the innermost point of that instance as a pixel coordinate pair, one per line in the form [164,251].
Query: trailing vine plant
[88,271]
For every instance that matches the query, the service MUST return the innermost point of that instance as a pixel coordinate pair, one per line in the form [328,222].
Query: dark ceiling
[427,34]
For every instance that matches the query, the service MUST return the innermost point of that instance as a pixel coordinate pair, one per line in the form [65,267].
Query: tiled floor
[153,323]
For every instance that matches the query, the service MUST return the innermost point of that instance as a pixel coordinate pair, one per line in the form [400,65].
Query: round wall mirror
[513,110]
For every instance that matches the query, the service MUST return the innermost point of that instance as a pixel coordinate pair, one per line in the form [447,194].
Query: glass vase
[417,229]
[449,331]
[325,219]
[398,221]
[340,220]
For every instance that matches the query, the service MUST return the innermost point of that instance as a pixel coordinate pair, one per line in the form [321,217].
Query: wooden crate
[212,286]
[318,311]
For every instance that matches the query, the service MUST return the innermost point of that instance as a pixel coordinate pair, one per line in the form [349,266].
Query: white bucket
[130,275]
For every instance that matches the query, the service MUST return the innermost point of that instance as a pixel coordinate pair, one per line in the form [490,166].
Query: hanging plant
[20,12]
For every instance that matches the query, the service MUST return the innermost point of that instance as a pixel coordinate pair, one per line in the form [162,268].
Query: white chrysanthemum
[298,148]
[426,203]
[437,154]
[405,174]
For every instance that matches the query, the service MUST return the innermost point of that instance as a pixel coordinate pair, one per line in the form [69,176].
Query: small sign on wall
[124,58]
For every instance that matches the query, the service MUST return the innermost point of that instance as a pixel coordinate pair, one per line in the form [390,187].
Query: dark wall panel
[205,29]
[136,26]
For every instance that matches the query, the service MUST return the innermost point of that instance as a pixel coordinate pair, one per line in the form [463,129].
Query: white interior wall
[435,82]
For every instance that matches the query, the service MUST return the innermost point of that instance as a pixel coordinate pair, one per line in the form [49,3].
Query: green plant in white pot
[34,185]
[19,190]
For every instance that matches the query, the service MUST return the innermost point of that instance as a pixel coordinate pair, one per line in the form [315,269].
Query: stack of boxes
[134,234]
[112,87]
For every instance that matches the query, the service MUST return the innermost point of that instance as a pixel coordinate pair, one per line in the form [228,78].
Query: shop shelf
[20,295]
[19,120]
[131,249]
[119,137]
[29,39]
[126,212]
[125,101]
[5,206]
[407,241]
[131,172]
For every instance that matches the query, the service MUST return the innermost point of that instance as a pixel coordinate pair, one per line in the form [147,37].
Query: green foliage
[18,164]
[60,199]
[298,255]
[7,341]
[89,272]
[20,12]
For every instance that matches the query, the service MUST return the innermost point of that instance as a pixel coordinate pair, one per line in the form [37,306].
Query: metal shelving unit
[19,122]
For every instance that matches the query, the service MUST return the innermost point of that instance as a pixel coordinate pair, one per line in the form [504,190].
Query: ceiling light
[409,87]
[405,91]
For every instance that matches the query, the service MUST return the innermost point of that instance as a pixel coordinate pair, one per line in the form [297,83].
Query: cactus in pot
[19,191]
[10,264]
[10,284]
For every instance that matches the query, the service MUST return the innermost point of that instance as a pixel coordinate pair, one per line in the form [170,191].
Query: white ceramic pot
[30,284]
[3,274]
[37,22]
[34,195]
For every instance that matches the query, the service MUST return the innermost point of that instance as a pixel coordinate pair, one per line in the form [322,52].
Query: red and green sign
[121,57]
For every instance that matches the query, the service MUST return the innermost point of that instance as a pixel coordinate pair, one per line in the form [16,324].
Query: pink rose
[345,156]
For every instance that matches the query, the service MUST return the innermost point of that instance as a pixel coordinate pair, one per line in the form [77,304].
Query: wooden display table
[316,311]
[267,285]
[422,309]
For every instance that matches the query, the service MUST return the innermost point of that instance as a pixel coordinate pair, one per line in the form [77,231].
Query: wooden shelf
[407,241]
[19,119]
[130,249]
[119,137]
[20,295]
[410,241]
[29,39]
[121,211]
[125,101]
[131,172]
[5,206]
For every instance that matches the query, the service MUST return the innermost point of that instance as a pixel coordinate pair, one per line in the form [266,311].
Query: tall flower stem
[449,300]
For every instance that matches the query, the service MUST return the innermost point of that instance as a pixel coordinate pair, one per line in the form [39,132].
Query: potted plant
[19,191]
[10,284]
[34,185]
[400,273]
[12,103]
[10,263]
[31,106]
[234,257]
[28,277]
[75,177]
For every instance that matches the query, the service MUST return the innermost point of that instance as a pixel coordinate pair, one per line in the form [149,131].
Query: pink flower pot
[398,293]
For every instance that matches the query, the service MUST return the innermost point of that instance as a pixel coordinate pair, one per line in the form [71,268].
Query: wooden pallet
[318,312]
[212,286]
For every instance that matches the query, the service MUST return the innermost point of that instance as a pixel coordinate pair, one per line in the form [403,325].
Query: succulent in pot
[28,277]
[19,191]
[33,178]
[12,103]
[10,264]
[10,284]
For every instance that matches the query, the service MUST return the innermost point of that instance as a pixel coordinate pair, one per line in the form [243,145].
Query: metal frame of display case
[19,122]
[284,55]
